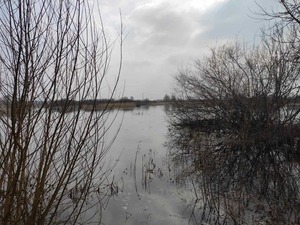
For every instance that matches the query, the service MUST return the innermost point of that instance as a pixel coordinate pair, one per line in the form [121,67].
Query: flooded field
[144,190]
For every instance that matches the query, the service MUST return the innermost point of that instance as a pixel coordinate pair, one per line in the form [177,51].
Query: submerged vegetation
[238,130]
[52,168]
[234,122]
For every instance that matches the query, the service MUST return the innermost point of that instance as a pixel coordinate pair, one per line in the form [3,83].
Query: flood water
[143,191]
[152,186]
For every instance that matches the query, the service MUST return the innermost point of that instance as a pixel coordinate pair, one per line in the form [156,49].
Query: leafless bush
[236,124]
[51,155]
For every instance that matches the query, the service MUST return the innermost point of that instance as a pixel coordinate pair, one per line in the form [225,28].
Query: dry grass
[110,106]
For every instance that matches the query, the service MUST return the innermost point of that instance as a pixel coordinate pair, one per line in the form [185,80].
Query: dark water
[143,191]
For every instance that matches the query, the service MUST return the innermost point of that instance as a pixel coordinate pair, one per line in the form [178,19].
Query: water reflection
[143,190]
[237,183]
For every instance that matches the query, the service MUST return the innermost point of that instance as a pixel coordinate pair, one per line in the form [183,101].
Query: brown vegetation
[51,161]
[238,130]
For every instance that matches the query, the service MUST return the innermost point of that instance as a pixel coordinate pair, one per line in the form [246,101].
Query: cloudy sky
[164,35]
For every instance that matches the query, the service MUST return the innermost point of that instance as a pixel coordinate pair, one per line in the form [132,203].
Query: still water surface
[144,191]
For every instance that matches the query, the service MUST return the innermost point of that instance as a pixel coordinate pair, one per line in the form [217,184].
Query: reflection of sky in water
[145,195]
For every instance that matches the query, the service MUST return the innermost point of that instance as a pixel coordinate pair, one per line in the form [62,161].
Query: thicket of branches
[237,127]
[51,162]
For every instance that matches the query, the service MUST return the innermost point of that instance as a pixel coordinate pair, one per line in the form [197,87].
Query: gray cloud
[164,35]
[162,26]
[232,19]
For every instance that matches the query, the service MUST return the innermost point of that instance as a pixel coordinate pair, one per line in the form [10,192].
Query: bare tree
[286,18]
[288,13]
[236,127]
[54,55]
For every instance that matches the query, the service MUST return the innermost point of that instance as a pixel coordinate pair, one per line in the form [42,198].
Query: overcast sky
[164,35]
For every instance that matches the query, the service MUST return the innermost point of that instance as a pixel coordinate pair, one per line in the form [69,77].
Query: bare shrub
[237,127]
[54,55]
